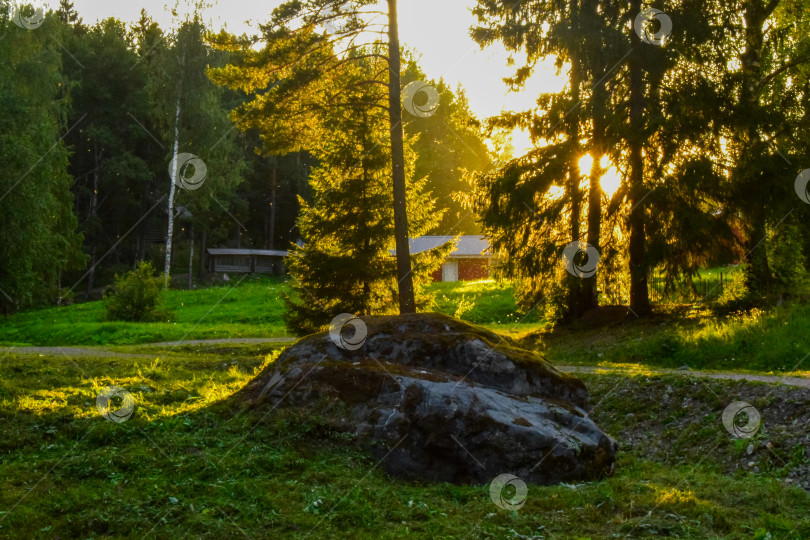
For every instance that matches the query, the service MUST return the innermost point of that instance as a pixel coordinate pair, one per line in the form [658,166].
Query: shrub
[137,296]
[787,261]
[735,295]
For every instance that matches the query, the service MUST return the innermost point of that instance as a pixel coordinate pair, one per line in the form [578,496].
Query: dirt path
[225,340]
[101,351]
[803,382]
[70,351]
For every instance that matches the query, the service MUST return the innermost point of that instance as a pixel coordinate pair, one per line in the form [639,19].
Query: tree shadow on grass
[192,461]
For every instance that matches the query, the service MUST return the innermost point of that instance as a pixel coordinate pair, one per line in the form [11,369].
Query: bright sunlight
[610,180]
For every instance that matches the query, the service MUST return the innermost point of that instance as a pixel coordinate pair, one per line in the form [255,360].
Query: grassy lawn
[253,308]
[777,340]
[709,283]
[190,462]
[484,302]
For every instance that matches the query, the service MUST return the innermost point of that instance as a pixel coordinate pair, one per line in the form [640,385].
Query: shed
[260,261]
[470,260]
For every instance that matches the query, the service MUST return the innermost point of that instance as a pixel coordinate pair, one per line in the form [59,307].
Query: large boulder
[440,399]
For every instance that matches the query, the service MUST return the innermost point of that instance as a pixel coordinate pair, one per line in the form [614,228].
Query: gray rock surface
[439,399]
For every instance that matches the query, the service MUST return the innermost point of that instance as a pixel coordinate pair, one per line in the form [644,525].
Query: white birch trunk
[172,188]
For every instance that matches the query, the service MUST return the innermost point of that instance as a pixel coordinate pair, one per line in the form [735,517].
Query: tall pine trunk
[407,303]
[590,293]
[574,283]
[639,294]
[597,66]
[758,273]
[172,187]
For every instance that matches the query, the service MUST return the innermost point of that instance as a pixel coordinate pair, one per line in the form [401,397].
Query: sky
[437,30]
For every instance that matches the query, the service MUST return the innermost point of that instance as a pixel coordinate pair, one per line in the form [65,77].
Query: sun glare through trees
[405,269]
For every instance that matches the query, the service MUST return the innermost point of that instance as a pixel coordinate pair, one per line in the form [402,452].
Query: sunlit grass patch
[774,341]
[487,302]
[248,308]
[188,462]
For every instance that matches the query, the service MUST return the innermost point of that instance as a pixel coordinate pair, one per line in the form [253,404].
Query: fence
[708,287]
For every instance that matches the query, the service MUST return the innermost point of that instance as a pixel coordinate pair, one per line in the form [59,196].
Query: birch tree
[204,165]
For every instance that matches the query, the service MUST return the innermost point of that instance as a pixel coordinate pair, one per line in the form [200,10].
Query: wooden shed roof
[259,252]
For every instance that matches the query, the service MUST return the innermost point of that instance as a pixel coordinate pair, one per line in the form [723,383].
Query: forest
[103,109]
[288,279]
[699,134]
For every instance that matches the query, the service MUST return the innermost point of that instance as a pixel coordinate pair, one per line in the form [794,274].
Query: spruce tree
[652,106]
[345,264]
[308,42]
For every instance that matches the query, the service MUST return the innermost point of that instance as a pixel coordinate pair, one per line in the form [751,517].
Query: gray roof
[466,246]
[234,251]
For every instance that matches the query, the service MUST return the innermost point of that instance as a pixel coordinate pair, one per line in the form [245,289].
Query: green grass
[251,309]
[485,302]
[189,463]
[708,283]
[777,340]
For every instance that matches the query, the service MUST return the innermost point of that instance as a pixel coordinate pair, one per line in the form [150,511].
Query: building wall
[473,269]
[469,269]
[262,264]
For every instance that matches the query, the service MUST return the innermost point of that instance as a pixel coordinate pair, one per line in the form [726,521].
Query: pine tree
[765,128]
[104,90]
[534,206]
[68,14]
[307,43]
[648,107]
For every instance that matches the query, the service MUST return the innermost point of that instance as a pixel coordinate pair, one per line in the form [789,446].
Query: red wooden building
[468,262]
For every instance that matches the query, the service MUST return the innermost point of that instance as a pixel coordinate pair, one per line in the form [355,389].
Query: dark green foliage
[345,264]
[38,238]
[694,124]
[123,85]
[108,164]
[271,189]
[137,296]
[787,259]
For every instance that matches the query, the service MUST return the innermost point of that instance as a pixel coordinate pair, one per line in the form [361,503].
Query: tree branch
[784,67]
